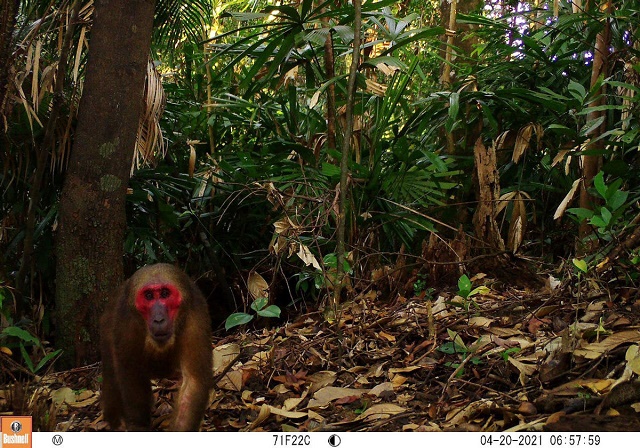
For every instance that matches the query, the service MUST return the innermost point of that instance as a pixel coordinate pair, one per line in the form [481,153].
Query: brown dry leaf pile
[510,360]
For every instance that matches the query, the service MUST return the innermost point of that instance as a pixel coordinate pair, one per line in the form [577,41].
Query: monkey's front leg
[136,401]
[190,404]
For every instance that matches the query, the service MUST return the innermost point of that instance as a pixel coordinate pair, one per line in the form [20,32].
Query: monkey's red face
[158,303]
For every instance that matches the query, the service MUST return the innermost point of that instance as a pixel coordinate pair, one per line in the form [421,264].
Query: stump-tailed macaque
[156,326]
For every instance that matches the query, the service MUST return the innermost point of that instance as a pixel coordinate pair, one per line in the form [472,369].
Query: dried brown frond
[150,143]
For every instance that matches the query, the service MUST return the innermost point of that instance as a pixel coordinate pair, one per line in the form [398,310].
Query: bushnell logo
[16,432]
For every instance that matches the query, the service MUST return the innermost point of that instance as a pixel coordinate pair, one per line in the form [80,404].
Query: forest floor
[513,359]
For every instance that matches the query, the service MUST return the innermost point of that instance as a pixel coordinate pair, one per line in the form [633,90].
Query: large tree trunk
[8,12]
[92,206]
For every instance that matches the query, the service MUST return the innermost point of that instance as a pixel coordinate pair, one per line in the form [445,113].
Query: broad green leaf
[595,91]
[556,103]
[331,262]
[617,199]
[236,319]
[259,303]
[581,213]
[606,215]
[270,311]
[577,91]
[284,11]
[580,264]
[597,221]
[598,182]
[19,333]
[464,285]
[611,189]
[391,61]
[451,348]
[479,290]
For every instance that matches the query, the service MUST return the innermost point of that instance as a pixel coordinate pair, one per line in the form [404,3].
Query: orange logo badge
[16,432]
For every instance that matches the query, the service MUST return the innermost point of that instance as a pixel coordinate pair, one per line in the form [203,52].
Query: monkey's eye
[148,295]
[164,293]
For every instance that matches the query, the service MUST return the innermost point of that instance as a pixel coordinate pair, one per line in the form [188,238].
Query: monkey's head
[158,298]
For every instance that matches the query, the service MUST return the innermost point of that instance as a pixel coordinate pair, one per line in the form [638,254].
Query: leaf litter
[512,360]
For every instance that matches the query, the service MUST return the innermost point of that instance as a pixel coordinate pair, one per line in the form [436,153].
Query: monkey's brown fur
[132,354]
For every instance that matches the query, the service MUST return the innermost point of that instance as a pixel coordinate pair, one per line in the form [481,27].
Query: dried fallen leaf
[398,380]
[231,381]
[527,408]
[573,388]
[294,380]
[535,324]
[287,414]
[223,355]
[380,411]
[479,321]
[347,400]
[404,369]
[526,370]
[384,387]
[260,359]
[265,412]
[597,349]
[328,394]
[457,416]
[63,395]
[291,403]
[84,398]
[321,379]
[387,336]
[633,359]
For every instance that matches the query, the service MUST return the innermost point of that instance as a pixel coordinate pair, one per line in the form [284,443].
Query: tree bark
[92,219]
[8,13]
[484,219]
